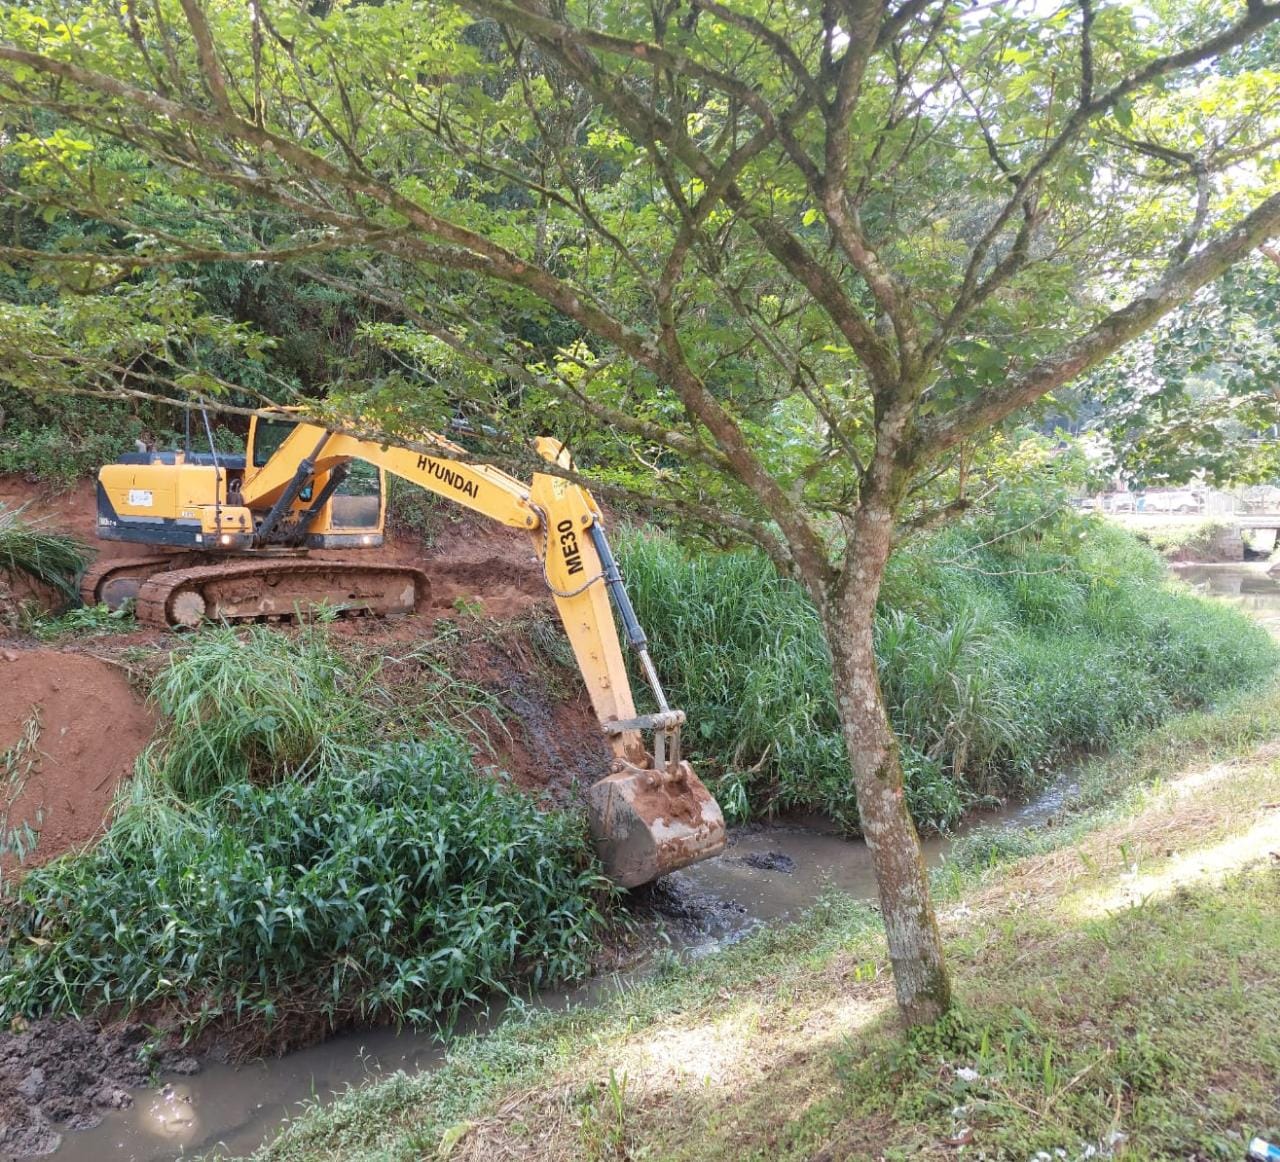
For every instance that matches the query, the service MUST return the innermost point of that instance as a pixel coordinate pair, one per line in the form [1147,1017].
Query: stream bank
[769,873]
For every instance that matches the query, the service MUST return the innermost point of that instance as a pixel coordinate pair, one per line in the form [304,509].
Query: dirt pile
[70,729]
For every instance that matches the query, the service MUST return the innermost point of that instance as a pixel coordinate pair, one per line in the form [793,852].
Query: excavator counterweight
[235,537]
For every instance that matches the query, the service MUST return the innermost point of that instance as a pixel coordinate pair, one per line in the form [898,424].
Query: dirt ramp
[70,729]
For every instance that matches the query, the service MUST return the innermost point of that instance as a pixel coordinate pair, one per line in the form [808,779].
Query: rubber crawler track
[293,582]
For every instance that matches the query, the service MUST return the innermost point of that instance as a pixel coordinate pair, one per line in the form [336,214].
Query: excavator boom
[243,525]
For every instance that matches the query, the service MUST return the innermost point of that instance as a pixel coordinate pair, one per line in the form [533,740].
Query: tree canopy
[776,266]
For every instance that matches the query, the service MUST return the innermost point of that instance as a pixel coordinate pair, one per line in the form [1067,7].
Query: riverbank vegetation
[1006,644]
[1116,999]
[1198,540]
[788,296]
[347,873]
[396,891]
[294,847]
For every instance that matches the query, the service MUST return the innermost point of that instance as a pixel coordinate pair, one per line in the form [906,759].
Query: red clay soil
[92,727]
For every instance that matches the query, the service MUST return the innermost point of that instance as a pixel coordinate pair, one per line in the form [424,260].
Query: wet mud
[65,1075]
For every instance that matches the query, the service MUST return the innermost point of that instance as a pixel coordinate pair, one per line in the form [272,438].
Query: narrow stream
[768,873]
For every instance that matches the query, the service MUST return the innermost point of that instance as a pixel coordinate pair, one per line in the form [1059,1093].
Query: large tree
[799,257]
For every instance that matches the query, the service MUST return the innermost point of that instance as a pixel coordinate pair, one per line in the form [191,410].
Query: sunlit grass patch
[1139,1035]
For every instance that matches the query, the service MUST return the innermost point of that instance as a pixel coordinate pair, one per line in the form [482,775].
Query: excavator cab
[349,499]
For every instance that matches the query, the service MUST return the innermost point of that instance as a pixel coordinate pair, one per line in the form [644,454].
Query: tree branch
[1111,333]
[1257,16]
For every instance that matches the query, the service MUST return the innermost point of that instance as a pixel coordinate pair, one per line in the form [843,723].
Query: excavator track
[276,590]
[114,581]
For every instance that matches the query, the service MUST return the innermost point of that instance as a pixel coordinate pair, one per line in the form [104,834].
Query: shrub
[399,892]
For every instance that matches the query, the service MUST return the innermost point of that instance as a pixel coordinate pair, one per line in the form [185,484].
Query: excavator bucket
[647,823]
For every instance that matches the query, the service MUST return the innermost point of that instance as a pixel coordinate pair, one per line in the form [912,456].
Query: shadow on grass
[1147,1033]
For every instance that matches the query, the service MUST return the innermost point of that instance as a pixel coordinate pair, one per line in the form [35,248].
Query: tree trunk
[915,945]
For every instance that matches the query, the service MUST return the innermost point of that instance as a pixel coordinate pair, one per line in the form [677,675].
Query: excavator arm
[652,814]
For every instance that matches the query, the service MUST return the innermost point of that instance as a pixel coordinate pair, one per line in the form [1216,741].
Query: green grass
[1144,1033]
[49,558]
[400,891]
[84,621]
[1115,785]
[1164,1049]
[258,704]
[1007,645]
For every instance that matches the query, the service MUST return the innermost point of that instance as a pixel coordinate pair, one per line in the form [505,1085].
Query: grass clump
[85,621]
[252,705]
[399,892]
[1006,644]
[48,558]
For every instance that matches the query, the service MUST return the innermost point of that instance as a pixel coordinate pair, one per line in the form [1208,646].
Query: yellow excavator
[237,534]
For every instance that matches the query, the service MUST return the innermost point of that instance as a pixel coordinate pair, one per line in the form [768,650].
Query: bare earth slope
[71,727]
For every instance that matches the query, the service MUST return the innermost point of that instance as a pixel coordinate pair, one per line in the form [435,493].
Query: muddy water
[777,871]
[1249,587]
[767,874]
[231,1111]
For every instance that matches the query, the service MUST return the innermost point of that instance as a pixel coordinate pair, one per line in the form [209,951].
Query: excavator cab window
[357,503]
[267,436]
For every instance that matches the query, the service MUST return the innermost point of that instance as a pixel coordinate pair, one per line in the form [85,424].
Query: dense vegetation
[788,264]
[284,851]
[1005,643]
[401,890]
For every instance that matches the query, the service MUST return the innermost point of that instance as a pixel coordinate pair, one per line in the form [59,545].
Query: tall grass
[1005,644]
[50,558]
[400,891]
[257,704]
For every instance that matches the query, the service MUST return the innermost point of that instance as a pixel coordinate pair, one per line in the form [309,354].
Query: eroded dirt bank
[71,727]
